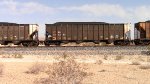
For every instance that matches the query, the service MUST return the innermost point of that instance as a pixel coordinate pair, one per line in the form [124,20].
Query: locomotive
[66,32]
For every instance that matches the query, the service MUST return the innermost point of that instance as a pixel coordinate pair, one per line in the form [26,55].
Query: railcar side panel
[49,31]
[21,32]
[111,31]
[115,32]
[69,32]
[147,30]
[142,28]
[64,31]
[96,32]
[10,32]
[16,32]
[80,32]
[91,32]
[74,32]
[121,31]
[5,32]
[59,32]
[85,31]
[54,32]
[106,32]
[26,33]
[101,32]
[1,32]
[120,34]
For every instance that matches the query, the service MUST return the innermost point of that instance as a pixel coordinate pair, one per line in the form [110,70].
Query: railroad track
[77,46]
[76,51]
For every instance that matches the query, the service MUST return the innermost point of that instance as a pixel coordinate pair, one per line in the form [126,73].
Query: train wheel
[148,43]
[96,42]
[35,43]
[58,44]
[145,43]
[119,43]
[116,43]
[25,44]
[136,43]
[30,44]
[46,43]
[78,42]
[122,43]
[126,43]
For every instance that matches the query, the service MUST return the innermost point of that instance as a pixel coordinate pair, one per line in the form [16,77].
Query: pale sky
[51,11]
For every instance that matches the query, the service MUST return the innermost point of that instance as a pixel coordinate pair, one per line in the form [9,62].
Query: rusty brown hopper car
[64,32]
[25,34]
[142,33]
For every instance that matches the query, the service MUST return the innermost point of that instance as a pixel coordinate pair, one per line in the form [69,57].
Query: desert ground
[101,69]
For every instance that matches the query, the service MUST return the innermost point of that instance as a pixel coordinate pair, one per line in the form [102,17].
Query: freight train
[66,32]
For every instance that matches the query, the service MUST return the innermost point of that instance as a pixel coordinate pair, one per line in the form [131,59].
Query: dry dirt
[111,71]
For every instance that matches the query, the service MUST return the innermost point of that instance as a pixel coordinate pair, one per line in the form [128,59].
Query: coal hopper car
[18,34]
[142,33]
[65,32]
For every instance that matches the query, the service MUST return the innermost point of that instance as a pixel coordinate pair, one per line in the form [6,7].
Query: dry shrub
[64,72]
[118,57]
[140,58]
[144,67]
[99,62]
[105,57]
[103,70]
[37,68]
[135,63]
[6,56]
[17,55]
[1,69]
[64,57]
[148,59]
